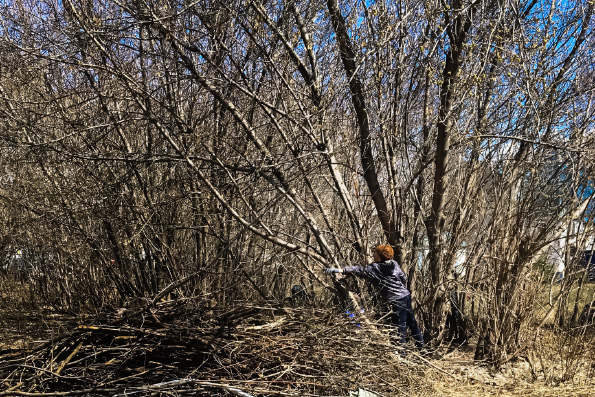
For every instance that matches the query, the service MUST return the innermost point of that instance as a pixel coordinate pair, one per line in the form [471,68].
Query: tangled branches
[177,349]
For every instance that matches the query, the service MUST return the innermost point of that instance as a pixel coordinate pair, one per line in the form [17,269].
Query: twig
[47,371]
[59,394]
[157,386]
[70,356]
[228,388]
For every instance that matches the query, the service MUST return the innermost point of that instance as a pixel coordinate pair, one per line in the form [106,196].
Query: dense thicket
[247,144]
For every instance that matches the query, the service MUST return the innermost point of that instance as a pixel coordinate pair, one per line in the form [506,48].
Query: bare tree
[244,145]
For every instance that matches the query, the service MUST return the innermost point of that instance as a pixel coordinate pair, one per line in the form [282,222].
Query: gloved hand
[331,270]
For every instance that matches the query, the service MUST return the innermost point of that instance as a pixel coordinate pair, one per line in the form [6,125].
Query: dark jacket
[386,276]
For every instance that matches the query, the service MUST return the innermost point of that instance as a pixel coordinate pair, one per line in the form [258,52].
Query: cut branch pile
[173,349]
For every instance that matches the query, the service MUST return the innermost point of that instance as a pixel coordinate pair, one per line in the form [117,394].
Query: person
[390,281]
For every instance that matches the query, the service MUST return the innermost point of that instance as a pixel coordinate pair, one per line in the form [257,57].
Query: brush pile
[175,348]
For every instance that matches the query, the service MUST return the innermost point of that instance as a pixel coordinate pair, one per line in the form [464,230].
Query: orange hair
[385,251]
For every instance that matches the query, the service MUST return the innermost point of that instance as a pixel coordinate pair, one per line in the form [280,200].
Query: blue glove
[331,270]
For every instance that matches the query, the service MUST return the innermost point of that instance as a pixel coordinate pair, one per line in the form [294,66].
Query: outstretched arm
[355,270]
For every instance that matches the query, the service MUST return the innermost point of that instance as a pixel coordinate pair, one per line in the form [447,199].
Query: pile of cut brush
[176,348]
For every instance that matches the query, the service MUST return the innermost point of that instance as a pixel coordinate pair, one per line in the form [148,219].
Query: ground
[270,351]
